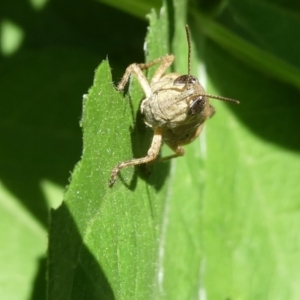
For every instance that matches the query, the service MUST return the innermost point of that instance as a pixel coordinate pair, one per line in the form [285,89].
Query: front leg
[151,155]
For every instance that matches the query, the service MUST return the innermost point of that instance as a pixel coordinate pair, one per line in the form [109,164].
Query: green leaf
[115,256]
[101,237]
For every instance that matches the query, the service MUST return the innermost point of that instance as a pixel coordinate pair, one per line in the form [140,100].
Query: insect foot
[175,107]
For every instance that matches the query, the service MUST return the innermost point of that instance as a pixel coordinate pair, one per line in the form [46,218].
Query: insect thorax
[169,107]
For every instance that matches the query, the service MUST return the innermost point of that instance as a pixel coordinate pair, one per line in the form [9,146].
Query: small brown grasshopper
[176,107]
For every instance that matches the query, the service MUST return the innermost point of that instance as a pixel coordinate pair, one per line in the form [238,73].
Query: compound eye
[197,106]
[185,79]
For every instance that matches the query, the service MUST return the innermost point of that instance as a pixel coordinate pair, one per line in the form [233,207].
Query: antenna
[188,36]
[222,98]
